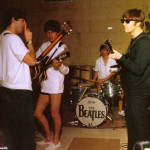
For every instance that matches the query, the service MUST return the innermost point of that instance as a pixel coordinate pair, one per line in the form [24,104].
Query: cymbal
[77,68]
[115,66]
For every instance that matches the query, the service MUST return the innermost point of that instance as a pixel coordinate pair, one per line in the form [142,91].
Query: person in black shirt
[137,65]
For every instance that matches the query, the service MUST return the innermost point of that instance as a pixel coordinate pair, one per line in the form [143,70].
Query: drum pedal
[75,123]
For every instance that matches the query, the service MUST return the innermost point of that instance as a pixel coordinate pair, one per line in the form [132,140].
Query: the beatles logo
[90,113]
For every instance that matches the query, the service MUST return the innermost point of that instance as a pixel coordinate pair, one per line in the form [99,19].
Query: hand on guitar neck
[116,55]
[113,53]
[109,46]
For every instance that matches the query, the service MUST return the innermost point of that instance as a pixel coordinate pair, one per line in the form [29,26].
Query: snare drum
[91,111]
[78,92]
[111,89]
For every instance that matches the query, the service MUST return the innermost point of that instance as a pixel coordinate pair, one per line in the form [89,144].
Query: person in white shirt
[104,72]
[15,80]
[53,87]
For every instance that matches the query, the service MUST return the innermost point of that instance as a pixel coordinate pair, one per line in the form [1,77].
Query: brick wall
[90,20]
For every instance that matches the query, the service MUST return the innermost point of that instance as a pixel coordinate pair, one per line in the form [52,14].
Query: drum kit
[92,108]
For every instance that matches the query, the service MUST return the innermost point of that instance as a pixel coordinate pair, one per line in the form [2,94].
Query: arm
[109,76]
[95,75]
[30,57]
[62,66]
[137,63]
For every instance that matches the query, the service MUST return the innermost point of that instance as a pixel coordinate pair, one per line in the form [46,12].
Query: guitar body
[36,70]
[39,71]
[36,82]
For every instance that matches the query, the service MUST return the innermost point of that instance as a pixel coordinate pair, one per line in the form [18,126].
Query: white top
[104,71]
[14,73]
[55,77]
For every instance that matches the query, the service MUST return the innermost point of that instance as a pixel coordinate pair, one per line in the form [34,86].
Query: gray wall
[90,20]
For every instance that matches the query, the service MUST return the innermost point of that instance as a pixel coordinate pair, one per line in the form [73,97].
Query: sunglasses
[128,20]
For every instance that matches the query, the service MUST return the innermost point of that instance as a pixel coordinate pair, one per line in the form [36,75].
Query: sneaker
[122,113]
[53,146]
[44,143]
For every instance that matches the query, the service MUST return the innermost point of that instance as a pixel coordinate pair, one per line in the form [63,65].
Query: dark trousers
[18,119]
[137,119]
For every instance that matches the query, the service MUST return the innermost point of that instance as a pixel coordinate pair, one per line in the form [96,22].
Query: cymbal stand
[76,122]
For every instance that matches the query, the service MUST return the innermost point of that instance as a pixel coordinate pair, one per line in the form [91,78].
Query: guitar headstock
[66,27]
[108,43]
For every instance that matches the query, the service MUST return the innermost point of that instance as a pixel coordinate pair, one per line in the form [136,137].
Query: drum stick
[83,94]
[91,80]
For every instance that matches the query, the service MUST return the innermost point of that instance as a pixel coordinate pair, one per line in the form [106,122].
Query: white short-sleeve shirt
[55,79]
[104,71]
[14,73]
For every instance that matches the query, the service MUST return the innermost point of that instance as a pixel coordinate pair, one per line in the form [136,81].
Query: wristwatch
[29,42]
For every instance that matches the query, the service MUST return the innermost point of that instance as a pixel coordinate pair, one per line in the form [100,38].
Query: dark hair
[10,13]
[136,14]
[52,25]
[103,46]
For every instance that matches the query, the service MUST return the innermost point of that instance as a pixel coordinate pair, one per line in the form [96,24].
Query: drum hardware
[115,66]
[74,123]
[109,118]
[77,68]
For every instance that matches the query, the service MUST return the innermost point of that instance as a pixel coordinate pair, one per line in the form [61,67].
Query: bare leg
[121,102]
[120,105]
[55,106]
[98,88]
[43,101]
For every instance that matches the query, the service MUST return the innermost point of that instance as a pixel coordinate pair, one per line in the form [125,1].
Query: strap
[7,33]
[128,50]
[60,44]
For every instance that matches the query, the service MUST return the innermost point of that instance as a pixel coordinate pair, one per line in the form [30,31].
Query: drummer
[104,72]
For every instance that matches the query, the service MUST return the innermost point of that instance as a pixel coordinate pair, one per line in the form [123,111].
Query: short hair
[52,25]
[136,14]
[10,13]
[104,46]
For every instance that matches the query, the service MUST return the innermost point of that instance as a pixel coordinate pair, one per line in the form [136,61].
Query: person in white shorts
[53,87]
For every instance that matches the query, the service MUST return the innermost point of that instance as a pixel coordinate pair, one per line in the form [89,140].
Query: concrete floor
[68,133]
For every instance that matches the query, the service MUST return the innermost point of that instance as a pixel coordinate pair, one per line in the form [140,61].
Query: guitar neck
[60,58]
[48,49]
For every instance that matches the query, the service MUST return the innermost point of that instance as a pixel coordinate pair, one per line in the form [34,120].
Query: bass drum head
[91,111]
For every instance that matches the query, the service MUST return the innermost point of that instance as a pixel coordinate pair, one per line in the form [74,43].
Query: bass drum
[91,111]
